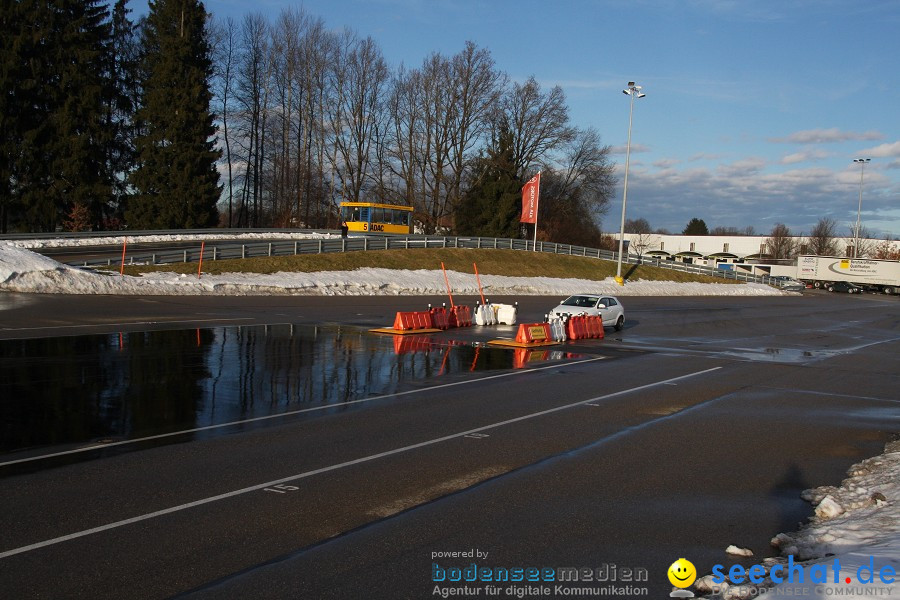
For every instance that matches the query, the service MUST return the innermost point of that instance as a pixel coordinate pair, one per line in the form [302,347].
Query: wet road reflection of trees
[77,389]
[73,390]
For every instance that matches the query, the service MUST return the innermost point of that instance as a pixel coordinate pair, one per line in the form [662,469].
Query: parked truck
[822,271]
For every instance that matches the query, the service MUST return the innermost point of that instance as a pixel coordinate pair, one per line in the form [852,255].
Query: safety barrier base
[393,331]
[510,343]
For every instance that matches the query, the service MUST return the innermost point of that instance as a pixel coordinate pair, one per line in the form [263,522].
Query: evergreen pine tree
[176,178]
[696,227]
[51,83]
[78,165]
[492,206]
[121,103]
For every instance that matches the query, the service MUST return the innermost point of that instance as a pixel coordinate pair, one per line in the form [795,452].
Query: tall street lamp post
[635,92]
[862,168]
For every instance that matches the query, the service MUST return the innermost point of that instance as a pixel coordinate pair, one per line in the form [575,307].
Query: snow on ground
[850,547]
[24,271]
[131,239]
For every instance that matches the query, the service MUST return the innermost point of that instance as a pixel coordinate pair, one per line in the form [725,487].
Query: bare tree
[887,249]
[359,79]
[822,240]
[538,121]
[224,37]
[576,190]
[781,244]
[637,226]
[866,243]
[406,132]
[477,89]
[251,87]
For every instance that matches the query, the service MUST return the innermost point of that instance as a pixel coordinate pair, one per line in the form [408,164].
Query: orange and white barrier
[557,329]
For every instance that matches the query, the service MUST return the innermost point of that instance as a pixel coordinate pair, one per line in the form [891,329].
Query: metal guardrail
[236,250]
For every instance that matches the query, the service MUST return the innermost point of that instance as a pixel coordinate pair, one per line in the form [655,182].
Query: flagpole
[536,212]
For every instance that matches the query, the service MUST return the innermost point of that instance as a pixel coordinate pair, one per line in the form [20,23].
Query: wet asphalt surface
[694,428]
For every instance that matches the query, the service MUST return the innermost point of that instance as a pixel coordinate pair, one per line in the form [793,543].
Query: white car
[789,284]
[608,307]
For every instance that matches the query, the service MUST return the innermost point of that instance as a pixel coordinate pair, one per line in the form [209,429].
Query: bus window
[363,214]
[377,215]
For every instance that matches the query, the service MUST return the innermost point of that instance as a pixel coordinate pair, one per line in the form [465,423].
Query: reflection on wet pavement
[74,390]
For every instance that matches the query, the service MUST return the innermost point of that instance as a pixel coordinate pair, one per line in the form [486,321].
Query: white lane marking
[335,467]
[126,323]
[292,412]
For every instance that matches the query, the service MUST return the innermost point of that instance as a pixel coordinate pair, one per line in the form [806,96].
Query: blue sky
[754,110]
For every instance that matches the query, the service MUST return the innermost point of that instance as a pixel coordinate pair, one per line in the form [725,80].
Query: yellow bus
[377,218]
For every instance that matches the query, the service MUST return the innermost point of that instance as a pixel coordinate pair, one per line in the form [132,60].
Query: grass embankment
[490,262]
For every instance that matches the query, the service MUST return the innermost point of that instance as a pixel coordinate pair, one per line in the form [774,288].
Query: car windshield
[581,301]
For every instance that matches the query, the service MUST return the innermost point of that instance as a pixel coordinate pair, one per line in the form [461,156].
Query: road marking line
[335,467]
[292,412]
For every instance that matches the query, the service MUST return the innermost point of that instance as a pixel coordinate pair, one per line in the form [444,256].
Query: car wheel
[830,288]
[620,323]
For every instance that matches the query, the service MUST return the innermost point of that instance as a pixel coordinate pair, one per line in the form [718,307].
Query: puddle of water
[781,355]
[104,388]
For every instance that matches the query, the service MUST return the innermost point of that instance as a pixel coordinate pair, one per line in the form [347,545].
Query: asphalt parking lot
[694,428]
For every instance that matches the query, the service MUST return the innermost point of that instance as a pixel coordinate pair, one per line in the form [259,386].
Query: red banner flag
[531,194]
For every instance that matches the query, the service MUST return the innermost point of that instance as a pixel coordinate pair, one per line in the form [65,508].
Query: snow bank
[856,527]
[24,271]
[116,240]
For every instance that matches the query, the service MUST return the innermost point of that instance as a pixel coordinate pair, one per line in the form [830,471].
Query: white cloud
[635,148]
[666,163]
[804,156]
[746,166]
[826,136]
[882,151]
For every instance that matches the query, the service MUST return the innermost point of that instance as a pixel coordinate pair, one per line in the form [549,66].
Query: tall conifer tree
[492,206]
[176,178]
[52,86]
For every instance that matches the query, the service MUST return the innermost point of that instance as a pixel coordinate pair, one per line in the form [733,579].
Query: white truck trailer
[820,271]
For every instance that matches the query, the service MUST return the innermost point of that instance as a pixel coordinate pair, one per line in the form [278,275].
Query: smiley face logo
[682,573]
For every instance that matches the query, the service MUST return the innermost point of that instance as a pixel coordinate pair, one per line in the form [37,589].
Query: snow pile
[134,239]
[24,271]
[856,526]
[870,496]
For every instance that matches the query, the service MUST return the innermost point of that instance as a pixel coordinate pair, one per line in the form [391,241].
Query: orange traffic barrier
[533,332]
[439,318]
[412,320]
[573,328]
[598,323]
[582,327]
[460,316]
[522,356]
[404,344]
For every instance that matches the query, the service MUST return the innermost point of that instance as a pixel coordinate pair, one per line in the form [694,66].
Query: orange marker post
[447,281]
[122,267]
[478,279]
[200,268]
